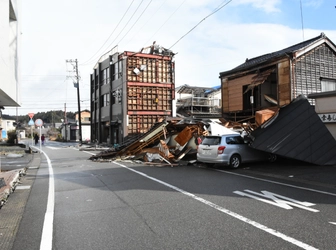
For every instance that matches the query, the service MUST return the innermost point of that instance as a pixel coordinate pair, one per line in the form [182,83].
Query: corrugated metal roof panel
[297,132]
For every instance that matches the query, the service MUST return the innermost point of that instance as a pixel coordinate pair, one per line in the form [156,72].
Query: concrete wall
[327,106]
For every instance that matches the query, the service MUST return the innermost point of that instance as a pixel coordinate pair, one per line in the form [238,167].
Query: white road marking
[53,148]
[285,202]
[334,223]
[47,231]
[89,152]
[226,211]
[23,187]
[276,182]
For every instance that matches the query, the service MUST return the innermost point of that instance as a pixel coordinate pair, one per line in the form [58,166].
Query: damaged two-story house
[275,79]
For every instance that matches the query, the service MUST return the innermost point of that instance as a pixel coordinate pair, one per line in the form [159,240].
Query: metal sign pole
[40,139]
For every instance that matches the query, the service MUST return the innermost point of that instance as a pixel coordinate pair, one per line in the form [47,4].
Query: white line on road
[276,182]
[334,223]
[53,148]
[226,211]
[47,231]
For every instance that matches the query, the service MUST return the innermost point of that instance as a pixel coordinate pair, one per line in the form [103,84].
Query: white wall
[327,105]
[6,125]
[9,52]
[86,133]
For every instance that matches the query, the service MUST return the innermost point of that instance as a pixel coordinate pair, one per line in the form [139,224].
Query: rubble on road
[293,131]
[167,142]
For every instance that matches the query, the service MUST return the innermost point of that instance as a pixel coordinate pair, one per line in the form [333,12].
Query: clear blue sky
[54,31]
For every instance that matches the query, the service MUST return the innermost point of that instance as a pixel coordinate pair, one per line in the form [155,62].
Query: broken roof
[256,61]
[297,132]
[186,89]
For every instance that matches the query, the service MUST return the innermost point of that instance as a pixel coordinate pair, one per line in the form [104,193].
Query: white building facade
[9,53]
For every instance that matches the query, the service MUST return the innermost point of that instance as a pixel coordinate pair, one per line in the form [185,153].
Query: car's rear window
[212,140]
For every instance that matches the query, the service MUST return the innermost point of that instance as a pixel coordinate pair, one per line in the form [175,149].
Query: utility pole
[74,63]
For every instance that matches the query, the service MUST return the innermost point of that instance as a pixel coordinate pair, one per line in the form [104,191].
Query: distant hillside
[46,117]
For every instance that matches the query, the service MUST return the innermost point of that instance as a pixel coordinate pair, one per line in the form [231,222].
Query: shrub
[12,137]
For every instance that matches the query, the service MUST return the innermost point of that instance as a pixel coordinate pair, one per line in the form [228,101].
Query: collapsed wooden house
[277,78]
[170,140]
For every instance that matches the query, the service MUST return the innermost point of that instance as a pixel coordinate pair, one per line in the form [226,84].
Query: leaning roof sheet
[297,132]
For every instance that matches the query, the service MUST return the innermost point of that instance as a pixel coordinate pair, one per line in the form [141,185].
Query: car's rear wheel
[235,161]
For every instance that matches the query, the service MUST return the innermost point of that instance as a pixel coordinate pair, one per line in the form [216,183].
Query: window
[211,140]
[328,84]
[107,75]
[116,70]
[105,100]
[234,140]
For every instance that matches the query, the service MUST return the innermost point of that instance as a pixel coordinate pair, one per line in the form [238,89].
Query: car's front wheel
[235,161]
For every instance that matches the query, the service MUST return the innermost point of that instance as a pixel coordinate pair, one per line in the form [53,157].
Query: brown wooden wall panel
[284,83]
[234,93]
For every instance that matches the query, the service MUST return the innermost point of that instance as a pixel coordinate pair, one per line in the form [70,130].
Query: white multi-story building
[9,53]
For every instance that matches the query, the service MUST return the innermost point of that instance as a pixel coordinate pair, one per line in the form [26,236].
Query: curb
[10,179]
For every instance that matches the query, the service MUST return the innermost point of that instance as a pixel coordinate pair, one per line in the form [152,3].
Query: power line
[136,21]
[215,10]
[165,21]
[109,35]
[151,16]
[123,27]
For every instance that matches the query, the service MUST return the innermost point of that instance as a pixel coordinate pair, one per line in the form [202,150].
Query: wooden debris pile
[166,142]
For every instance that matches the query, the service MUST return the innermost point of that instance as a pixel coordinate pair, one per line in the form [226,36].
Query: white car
[229,150]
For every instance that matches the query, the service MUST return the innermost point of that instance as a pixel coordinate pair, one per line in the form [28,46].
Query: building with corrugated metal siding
[130,92]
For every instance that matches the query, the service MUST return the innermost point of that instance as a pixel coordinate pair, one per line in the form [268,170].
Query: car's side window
[230,140]
[239,140]
[234,140]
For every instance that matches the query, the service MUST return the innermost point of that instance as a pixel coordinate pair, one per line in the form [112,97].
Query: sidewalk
[15,193]
[14,162]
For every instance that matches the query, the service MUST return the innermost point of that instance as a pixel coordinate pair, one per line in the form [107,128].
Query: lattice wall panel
[142,123]
[149,70]
[149,98]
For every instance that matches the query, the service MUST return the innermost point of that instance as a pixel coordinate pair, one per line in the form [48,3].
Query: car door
[242,148]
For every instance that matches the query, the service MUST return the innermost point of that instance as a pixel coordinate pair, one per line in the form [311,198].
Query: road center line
[226,211]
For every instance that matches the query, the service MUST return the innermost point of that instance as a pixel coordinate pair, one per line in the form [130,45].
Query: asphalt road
[75,203]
